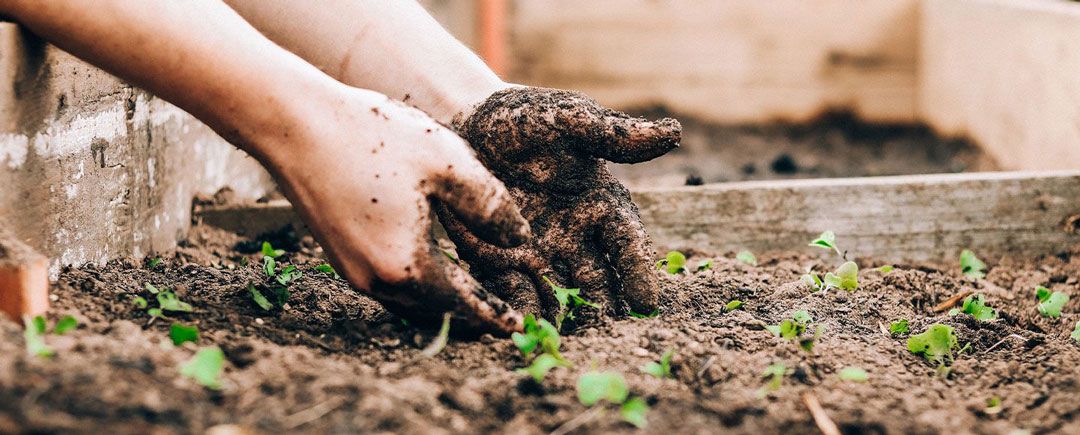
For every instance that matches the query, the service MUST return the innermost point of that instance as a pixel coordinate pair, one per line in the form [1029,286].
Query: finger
[630,251]
[517,290]
[481,201]
[620,138]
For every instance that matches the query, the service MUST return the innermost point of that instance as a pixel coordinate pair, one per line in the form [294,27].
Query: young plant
[746,257]
[936,344]
[827,240]
[853,374]
[280,279]
[976,307]
[733,305]
[328,269]
[674,263]
[638,315]
[898,327]
[972,266]
[885,269]
[541,365]
[592,387]
[846,277]
[775,378]
[1050,304]
[34,335]
[180,334]
[993,405]
[704,265]
[569,300]
[795,328]
[660,369]
[813,281]
[269,251]
[205,367]
[539,335]
[1076,332]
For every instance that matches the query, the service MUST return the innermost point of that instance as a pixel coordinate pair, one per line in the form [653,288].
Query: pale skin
[362,169]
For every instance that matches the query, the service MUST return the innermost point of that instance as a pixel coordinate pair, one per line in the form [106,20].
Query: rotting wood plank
[915,217]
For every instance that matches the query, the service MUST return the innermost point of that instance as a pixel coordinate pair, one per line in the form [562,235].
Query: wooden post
[24,278]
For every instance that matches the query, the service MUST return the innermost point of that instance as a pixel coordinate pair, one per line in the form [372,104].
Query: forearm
[394,47]
[197,54]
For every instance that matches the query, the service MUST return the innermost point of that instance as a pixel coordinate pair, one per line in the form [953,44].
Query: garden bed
[334,361]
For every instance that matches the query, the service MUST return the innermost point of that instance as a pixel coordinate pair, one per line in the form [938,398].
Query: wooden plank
[24,278]
[886,218]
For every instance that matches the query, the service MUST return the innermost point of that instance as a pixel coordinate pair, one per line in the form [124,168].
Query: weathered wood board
[919,217]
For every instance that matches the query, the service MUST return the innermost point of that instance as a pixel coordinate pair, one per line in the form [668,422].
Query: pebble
[639,351]
[259,321]
[54,297]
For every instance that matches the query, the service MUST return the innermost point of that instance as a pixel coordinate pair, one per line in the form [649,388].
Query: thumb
[621,138]
[481,201]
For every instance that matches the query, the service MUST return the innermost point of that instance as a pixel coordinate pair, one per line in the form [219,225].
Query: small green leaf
[802,316]
[993,405]
[935,344]
[205,367]
[733,305]
[155,312]
[674,262]
[139,301]
[813,281]
[660,369]
[827,240]
[971,266]
[846,277]
[1076,331]
[269,251]
[168,301]
[569,299]
[746,257]
[975,305]
[898,327]
[705,265]
[259,299]
[34,334]
[638,315]
[885,269]
[1042,293]
[593,387]
[774,329]
[635,412]
[39,324]
[150,288]
[541,366]
[328,269]
[1051,307]
[450,255]
[181,334]
[65,324]
[269,266]
[853,374]
[153,263]
[775,374]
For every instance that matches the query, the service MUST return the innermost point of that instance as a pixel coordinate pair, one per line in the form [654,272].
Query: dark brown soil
[833,145]
[334,362]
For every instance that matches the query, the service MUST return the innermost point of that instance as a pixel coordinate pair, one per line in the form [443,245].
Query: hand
[361,170]
[549,147]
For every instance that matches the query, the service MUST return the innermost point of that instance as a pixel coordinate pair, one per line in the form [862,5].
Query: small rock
[639,351]
[259,321]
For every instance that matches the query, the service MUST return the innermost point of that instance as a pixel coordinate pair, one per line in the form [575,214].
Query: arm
[359,167]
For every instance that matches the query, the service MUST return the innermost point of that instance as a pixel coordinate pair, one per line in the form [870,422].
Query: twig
[950,302]
[1002,341]
[578,421]
[820,417]
[313,413]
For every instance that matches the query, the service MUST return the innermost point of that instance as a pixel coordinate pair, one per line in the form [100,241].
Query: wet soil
[836,144]
[332,361]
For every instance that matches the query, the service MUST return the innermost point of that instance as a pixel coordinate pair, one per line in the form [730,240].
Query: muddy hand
[549,147]
[364,176]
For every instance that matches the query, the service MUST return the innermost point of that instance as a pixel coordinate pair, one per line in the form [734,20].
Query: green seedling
[972,266]
[180,334]
[898,327]
[746,257]
[593,387]
[269,251]
[153,263]
[674,263]
[205,367]
[541,365]
[662,369]
[450,254]
[440,340]
[827,240]
[795,328]
[139,302]
[638,315]
[168,301]
[259,298]
[936,344]
[269,266]
[635,412]
[150,288]
[540,335]
[846,277]
[885,269]
[1050,304]
[733,305]
[813,281]
[993,405]
[775,378]
[853,374]
[976,306]
[34,334]
[65,325]
[1076,332]
[328,269]
[569,300]
[704,265]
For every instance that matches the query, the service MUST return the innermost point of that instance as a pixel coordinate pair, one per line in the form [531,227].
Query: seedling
[153,263]
[853,374]
[846,277]
[64,325]
[971,266]
[704,265]
[450,255]
[592,387]
[898,327]
[674,263]
[775,378]
[440,340]
[205,367]
[827,240]
[993,405]
[936,344]
[794,329]
[885,269]
[541,365]
[569,300]
[1050,304]
[638,315]
[733,305]
[269,251]
[540,335]
[328,269]
[258,298]
[976,306]
[34,334]
[660,369]
[168,301]
[1076,332]
[813,281]
[746,257]
[180,334]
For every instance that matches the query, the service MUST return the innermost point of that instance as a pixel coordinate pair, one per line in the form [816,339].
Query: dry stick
[313,413]
[820,417]
[1003,340]
[950,302]
[578,421]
